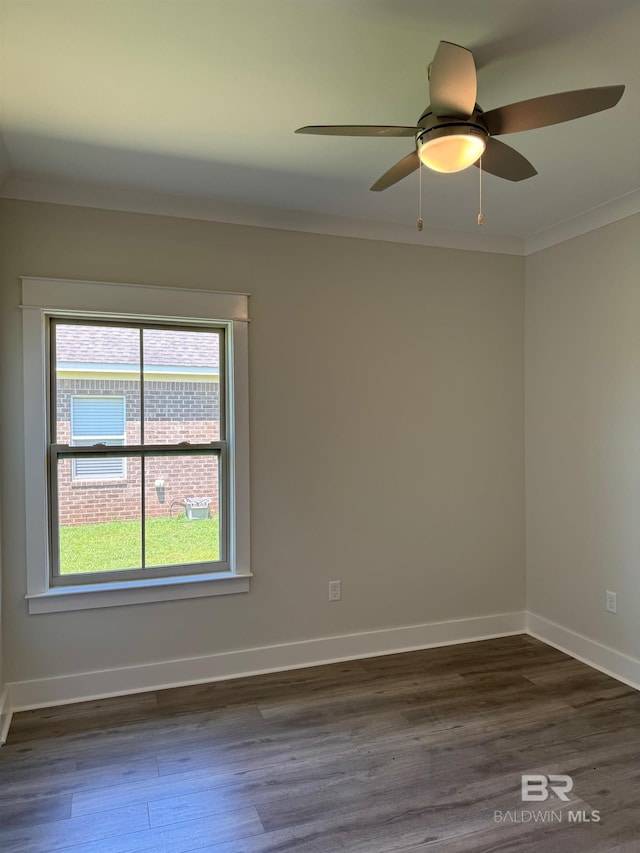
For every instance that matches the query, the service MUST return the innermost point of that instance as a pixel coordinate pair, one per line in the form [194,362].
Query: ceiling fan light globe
[451,151]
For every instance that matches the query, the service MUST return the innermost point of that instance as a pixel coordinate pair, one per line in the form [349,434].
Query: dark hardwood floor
[421,751]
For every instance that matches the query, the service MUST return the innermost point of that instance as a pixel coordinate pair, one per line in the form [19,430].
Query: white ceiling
[196,101]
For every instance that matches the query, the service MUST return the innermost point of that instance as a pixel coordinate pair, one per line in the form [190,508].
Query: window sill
[118,594]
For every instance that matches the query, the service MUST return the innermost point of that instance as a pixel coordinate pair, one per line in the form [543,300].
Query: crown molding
[590,220]
[25,188]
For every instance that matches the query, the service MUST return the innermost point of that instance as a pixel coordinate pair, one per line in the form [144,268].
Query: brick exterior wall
[174,411]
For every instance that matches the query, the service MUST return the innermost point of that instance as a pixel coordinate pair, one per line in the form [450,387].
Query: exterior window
[136,415]
[98,420]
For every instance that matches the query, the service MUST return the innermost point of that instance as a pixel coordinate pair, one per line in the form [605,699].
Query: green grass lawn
[116,544]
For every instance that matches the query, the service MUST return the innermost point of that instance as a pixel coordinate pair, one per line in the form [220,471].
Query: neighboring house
[98,400]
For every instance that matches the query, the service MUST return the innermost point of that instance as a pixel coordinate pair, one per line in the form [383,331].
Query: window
[175,448]
[98,420]
[143,422]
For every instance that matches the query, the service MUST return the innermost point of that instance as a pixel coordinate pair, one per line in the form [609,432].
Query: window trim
[43,298]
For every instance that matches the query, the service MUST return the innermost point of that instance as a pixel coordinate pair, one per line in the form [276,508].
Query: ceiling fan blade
[505,162]
[551,109]
[397,172]
[452,81]
[358,130]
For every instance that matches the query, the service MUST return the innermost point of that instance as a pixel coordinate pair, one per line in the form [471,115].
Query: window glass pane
[94,362]
[181,386]
[182,521]
[99,524]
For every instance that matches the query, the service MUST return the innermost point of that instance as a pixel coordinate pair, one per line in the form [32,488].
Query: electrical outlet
[612,604]
[335,590]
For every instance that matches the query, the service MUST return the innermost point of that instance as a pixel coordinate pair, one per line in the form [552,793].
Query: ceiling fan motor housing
[432,123]
[452,128]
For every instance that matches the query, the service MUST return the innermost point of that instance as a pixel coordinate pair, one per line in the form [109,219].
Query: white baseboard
[607,660]
[45,692]
[5,715]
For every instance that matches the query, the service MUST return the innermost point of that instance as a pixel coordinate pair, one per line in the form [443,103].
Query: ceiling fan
[454,133]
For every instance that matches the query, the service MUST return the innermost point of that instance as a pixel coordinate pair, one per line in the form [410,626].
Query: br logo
[535,787]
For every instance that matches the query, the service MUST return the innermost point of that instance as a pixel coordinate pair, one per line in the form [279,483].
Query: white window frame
[94,439]
[43,298]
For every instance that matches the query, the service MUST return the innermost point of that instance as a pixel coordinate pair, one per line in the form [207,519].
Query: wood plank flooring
[408,752]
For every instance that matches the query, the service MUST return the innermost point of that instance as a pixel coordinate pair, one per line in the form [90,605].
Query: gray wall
[386,393]
[583,433]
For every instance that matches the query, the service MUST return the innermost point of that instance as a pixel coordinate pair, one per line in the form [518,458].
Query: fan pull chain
[420,222]
[480,213]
